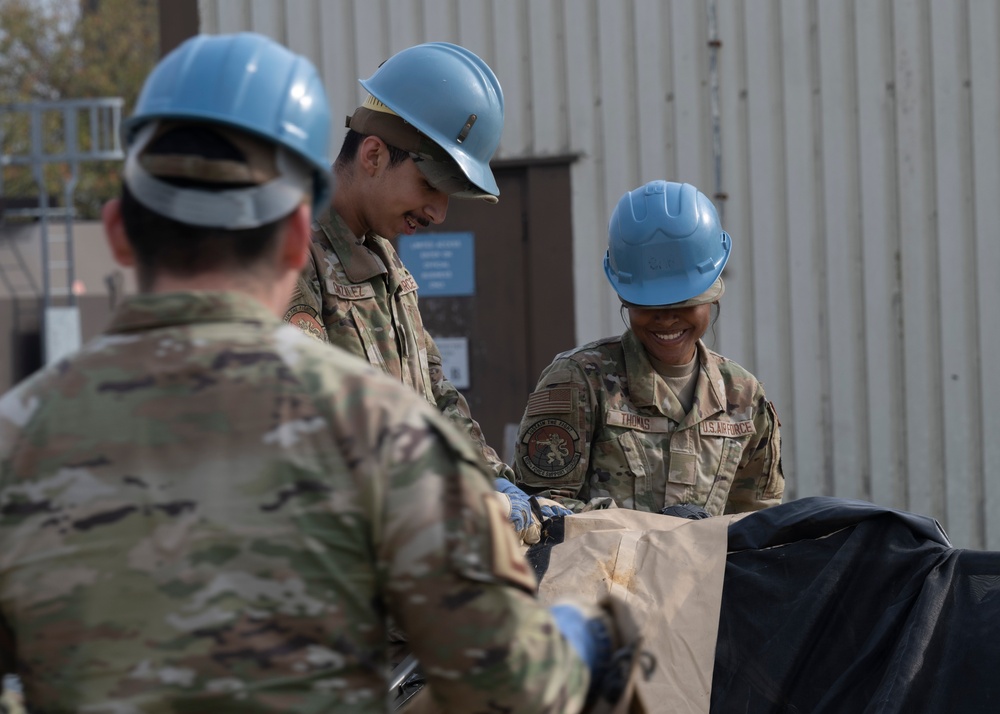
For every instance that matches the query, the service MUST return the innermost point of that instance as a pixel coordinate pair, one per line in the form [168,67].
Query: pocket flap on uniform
[683,468]
[634,454]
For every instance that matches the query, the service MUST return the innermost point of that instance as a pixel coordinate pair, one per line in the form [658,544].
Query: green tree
[67,49]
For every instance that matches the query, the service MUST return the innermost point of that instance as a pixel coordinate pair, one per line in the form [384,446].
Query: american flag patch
[550,401]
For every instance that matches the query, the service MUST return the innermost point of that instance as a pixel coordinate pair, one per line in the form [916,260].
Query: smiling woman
[653,419]
[670,334]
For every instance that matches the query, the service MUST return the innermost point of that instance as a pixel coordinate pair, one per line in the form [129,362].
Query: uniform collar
[143,312]
[361,258]
[648,389]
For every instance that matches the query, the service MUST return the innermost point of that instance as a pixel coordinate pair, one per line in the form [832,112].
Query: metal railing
[37,135]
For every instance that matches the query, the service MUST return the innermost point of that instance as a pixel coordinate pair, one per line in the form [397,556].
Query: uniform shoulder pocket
[774,480]
[550,446]
[306,304]
[482,544]
[557,393]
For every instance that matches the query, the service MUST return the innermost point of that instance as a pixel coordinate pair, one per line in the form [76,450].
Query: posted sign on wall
[455,360]
[444,264]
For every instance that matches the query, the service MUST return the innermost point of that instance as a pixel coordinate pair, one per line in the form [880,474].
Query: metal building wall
[858,145]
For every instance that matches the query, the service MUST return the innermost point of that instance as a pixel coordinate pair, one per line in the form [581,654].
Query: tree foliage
[68,49]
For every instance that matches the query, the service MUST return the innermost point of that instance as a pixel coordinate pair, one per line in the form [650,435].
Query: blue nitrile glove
[520,509]
[588,635]
[551,509]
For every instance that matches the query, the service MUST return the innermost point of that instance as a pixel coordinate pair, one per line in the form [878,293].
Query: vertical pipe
[38,172]
[714,44]
[69,188]
[95,142]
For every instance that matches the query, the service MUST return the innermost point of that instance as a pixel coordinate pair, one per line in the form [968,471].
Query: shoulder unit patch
[306,319]
[551,448]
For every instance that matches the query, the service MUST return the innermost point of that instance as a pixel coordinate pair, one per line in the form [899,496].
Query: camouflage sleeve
[759,482]
[305,307]
[553,441]
[453,405]
[461,590]
[8,655]
[8,651]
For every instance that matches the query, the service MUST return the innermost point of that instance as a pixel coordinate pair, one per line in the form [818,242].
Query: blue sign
[444,264]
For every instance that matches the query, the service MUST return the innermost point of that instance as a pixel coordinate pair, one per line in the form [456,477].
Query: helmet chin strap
[230,209]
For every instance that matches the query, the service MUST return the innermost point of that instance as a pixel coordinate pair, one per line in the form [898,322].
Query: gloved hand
[517,505]
[589,632]
[520,508]
[551,509]
[686,510]
[608,640]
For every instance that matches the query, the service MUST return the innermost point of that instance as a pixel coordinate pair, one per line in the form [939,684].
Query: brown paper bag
[669,572]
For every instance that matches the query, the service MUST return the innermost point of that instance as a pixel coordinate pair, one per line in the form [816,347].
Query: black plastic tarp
[831,605]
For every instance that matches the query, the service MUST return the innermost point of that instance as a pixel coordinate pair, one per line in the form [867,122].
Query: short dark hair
[163,245]
[352,142]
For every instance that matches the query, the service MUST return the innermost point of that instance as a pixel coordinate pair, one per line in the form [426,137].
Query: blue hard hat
[249,82]
[665,244]
[451,96]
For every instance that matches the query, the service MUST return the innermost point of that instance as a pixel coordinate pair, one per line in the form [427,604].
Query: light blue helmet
[451,96]
[248,82]
[665,244]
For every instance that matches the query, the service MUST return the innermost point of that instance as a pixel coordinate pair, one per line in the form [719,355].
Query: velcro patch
[551,448]
[556,400]
[654,425]
[508,561]
[352,292]
[407,285]
[306,319]
[730,429]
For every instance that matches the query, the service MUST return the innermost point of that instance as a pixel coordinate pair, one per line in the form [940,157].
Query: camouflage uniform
[602,422]
[206,511]
[357,294]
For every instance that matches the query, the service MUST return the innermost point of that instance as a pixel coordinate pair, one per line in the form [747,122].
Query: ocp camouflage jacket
[356,293]
[206,511]
[602,422]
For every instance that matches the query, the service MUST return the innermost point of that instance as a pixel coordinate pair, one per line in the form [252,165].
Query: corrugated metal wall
[858,143]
